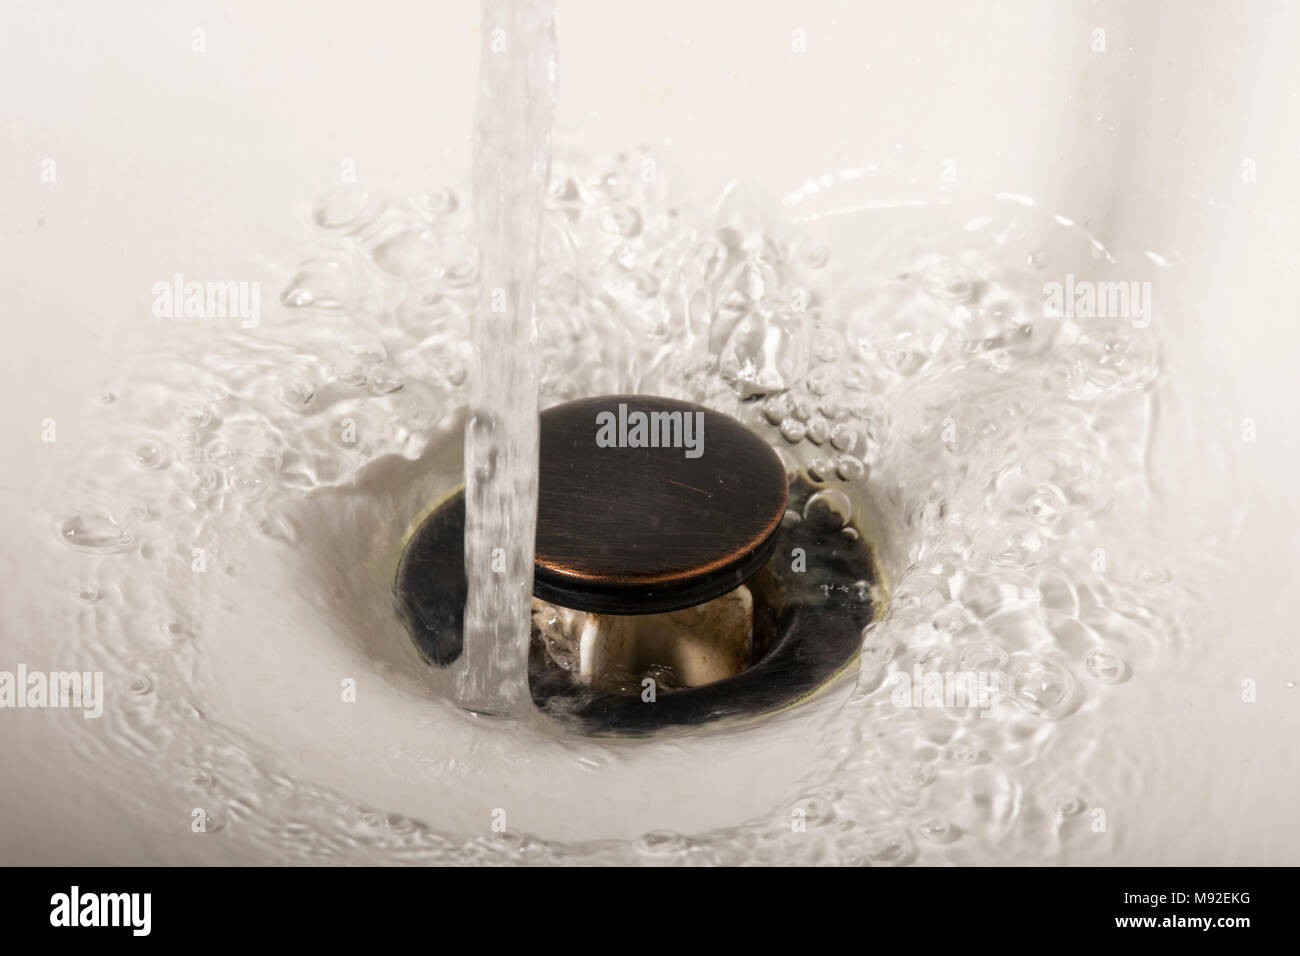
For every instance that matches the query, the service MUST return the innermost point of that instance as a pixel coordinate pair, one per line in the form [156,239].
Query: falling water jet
[511,167]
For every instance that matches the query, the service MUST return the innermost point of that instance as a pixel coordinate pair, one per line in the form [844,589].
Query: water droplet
[106,398]
[149,453]
[96,533]
[88,594]
[1106,666]
[1040,687]
[202,779]
[1039,259]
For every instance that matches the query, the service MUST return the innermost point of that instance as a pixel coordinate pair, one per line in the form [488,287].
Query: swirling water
[233,513]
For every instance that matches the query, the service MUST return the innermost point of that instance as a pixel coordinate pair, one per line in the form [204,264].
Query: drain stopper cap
[649,504]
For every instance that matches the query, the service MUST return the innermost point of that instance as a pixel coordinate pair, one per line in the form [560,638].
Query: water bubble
[202,779]
[1150,575]
[937,830]
[890,845]
[204,479]
[1046,506]
[88,594]
[819,469]
[828,510]
[915,773]
[351,372]
[844,437]
[850,468]
[195,417]
[1115,358]
[348,208]
[611,183]
[793,430]
[1067,805]
[1106,666]
[1040,687]
[247,480]
[1039,259]
[139,685]
[105,398]
[775,408]
[296,392]
[149,453]
[219,452]
[822,379]
[818,430]
[96,533]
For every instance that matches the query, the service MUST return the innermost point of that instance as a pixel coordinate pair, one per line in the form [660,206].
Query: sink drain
[670,591]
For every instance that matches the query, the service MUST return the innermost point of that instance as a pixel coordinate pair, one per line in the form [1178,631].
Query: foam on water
[231,521]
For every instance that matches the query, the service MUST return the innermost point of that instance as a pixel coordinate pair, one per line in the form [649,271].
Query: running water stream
[511,167]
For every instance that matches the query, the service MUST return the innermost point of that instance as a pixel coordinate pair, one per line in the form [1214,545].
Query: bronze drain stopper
[648,505]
